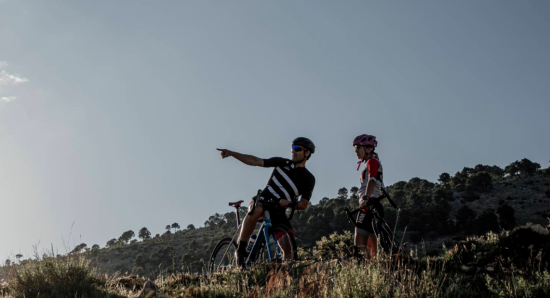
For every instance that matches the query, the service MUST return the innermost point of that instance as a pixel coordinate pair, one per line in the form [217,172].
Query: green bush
[335,246]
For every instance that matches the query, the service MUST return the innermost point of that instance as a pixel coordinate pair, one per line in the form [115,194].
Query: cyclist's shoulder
[276,162]
[308,175]
[373,162]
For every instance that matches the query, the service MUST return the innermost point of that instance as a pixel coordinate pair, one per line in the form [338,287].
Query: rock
[149,290]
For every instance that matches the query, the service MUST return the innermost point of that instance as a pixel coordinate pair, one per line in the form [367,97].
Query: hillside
[189,249]
[472,202]
[482,232]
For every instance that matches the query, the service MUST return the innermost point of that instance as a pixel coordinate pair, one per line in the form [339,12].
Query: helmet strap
[305,157]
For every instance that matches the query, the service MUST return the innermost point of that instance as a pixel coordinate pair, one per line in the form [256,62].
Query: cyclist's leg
[364,233]
[279,218]
[371,244]
[365,239]
[248,225]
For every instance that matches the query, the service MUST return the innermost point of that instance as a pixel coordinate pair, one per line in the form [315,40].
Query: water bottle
[251,242]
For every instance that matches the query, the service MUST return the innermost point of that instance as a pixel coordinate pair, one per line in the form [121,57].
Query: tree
[458,179]
[512,169]
[466,172]
[18,257]
[442,193]
[78,248]
[193,245]
[126,237]
[166,234]
[168,227]
[506,216]
[191,227]
[95,250]
[480,181]
[343,193]
[175,226]
[527,168]
[144,234]
[444,178]
[112,242]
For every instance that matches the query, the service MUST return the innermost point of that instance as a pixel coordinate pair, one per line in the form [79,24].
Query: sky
[111,111]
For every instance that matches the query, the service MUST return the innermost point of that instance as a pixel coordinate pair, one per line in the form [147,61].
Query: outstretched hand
[224,152]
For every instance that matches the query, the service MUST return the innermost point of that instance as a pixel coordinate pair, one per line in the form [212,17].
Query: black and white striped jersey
[288,181]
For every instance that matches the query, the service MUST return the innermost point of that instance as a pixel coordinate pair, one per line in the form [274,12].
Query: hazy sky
[111,111]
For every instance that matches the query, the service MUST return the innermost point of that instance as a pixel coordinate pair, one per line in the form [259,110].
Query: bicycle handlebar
[386,194]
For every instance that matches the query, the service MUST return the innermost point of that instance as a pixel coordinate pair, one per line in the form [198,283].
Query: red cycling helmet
[365,140]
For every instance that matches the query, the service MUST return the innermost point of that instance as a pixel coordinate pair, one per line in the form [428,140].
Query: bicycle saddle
[236,204]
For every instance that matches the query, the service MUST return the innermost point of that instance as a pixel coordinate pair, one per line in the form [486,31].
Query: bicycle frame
[263,234]
[376,216]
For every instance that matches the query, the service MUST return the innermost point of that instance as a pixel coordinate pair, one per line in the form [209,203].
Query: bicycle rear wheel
[223,256]
[281,244]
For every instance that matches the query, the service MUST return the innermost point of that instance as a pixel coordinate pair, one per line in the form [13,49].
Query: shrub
[415,237]
[337,245]
[506,216]
[486,221]
[54,277]
[140,261]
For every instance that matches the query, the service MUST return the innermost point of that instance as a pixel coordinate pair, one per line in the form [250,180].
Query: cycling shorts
[278,217]
[364,219]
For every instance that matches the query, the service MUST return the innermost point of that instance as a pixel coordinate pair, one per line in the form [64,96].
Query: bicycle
[381,229]
[273,243]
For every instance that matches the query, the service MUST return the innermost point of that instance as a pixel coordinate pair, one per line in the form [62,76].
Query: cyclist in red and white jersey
[371,189]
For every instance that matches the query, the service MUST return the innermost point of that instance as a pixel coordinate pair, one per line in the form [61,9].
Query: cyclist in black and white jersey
[290,179]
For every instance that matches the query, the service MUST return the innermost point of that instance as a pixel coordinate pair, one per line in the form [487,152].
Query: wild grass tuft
[70,276]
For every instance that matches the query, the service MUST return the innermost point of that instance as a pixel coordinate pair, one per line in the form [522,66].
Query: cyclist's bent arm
[302,204]
[372,166]
[250,160]
[370,188]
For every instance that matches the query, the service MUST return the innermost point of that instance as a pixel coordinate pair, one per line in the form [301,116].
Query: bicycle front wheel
[281,244]
[385,237]
[223,256]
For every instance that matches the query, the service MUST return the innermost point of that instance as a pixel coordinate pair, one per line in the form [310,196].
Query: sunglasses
[298,148]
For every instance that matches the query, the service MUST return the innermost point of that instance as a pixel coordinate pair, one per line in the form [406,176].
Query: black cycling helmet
[304,142]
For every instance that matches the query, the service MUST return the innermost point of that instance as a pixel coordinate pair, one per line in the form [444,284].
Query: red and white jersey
[372,171]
